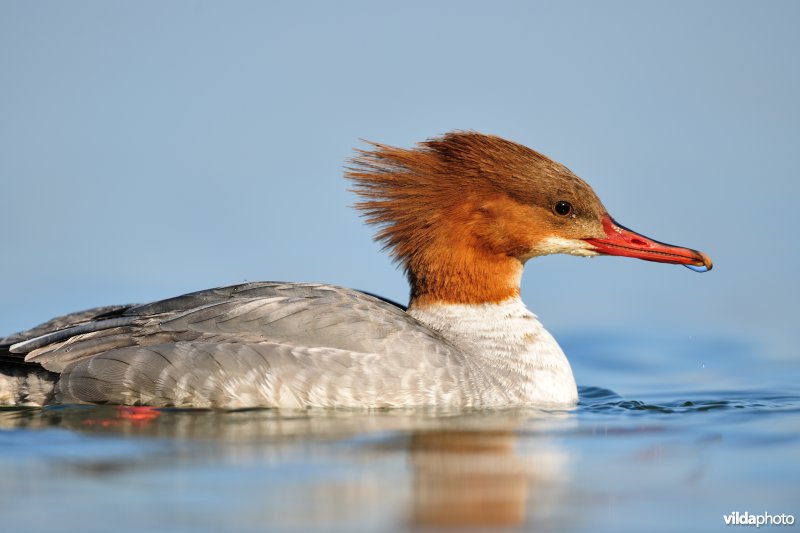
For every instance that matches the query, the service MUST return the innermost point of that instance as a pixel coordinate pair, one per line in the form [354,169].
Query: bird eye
[563,208]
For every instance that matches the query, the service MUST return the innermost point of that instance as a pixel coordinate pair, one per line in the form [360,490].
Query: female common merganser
[461,214]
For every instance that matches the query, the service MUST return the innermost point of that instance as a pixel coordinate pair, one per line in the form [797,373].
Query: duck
[460,213]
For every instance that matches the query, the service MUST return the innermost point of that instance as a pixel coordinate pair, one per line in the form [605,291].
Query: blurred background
[149,149]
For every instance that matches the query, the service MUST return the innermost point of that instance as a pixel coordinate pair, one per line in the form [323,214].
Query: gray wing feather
[244,290]
[57,356]
[64,321]
[71,331]
[364,325]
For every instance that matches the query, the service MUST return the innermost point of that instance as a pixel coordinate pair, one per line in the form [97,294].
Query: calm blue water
[695,430]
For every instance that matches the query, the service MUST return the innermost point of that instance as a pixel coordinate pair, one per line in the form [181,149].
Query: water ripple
[600,400]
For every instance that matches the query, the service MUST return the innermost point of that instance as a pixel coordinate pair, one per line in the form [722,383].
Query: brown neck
[449,274]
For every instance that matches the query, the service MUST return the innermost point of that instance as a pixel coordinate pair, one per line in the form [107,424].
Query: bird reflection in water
[402,468]
[479,479]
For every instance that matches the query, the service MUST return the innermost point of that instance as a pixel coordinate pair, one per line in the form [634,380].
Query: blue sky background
[153,148]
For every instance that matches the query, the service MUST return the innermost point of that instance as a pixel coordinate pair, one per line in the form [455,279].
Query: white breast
[509,345]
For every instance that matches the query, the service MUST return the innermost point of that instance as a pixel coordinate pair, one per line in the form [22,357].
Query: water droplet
[696,268]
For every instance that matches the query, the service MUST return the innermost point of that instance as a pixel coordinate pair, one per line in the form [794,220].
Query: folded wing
[273,344]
